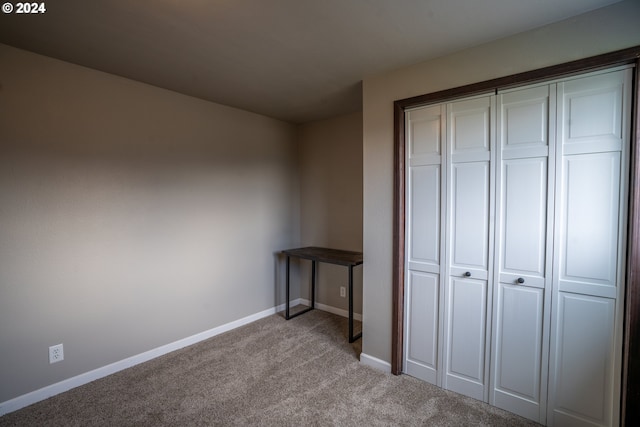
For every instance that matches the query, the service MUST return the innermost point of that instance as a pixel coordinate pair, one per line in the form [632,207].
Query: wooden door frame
[630,402]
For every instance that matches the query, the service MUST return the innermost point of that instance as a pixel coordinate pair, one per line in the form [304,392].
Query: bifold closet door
[591,194]
[523,246]
[469,246]
[516,244]
[424,130]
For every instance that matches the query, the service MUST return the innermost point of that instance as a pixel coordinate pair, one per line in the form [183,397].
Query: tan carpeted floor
[271,372]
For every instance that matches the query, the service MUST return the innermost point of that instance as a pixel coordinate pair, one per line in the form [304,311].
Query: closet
[516,206]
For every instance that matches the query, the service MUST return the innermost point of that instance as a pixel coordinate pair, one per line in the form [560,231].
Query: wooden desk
[331,256]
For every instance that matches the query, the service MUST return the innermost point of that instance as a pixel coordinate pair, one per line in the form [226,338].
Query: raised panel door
[521,321]
[425,128]
[523,243]
[469,246]
[548,346]
[590,235]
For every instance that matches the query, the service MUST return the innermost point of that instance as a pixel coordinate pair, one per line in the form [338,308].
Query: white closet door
[532,324]
[588,271]
[424,129]
[469,246]
[523,247]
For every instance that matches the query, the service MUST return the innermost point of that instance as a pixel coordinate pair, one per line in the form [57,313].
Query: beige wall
[331,201]
[130,217]
[608,29]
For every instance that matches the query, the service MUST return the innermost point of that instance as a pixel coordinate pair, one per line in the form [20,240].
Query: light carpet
[301,372]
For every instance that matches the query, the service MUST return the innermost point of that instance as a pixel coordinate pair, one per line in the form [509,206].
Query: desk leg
[351,337]
[313,284]
[286,313]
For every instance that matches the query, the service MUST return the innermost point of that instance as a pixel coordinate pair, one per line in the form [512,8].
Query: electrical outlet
[343,291]
[56,353]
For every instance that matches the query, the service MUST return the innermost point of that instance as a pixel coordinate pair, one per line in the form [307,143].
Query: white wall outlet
[56,353]
[343,291]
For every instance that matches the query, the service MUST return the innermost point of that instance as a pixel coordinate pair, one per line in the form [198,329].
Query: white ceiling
[296,60]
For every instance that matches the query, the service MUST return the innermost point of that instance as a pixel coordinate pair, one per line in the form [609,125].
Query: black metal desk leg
[351,304]
[286,313]
[313,284]
[351,337]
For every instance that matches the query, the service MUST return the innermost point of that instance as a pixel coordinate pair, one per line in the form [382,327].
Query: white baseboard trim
[375,363]
[331,309]
[65,385]
[87,377]
[292,303]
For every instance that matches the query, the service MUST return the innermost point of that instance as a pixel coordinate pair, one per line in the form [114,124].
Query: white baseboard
[331,309]
[375,363]
[65,385]
[292,303]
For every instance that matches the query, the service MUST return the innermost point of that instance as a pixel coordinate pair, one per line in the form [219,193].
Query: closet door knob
[467,274]
[520,280]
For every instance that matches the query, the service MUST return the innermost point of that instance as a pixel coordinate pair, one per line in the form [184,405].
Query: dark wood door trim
[397,331]
[631,353]
[631,364]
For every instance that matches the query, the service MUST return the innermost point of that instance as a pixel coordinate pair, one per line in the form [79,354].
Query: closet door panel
[424,218]
[521,318]
[524,118]
[586,334]
[524,211]
[532,324]
[424,129]
[519,330]
[422,329]
[469,246]
[470,219]
[470,127]
[589,224]
[466,331]
[593,114]
[526,121]
[518,358]
[424,132]
[583,367]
